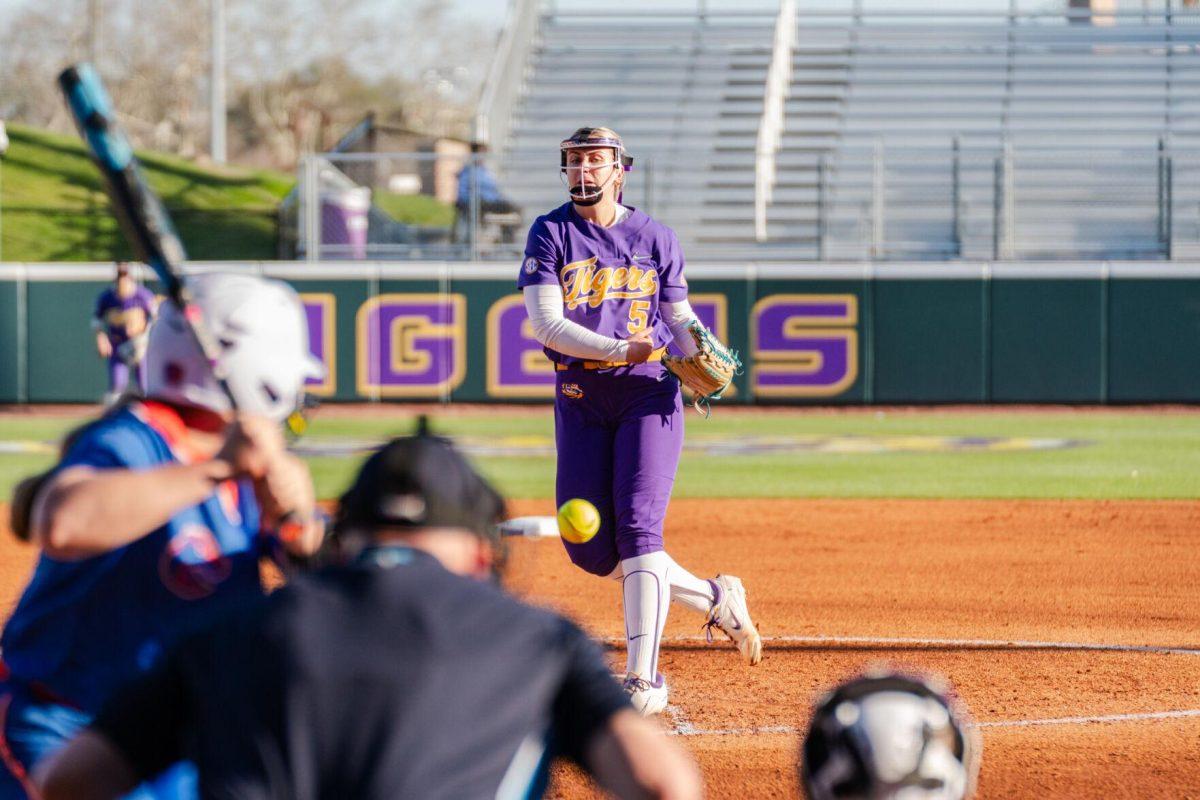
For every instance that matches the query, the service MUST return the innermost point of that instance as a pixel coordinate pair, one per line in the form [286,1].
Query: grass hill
[52,206]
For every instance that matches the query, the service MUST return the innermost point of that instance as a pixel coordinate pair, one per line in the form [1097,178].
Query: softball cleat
[732,616]
[647,698]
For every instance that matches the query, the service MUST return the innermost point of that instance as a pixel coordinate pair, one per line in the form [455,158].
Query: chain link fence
[428,206]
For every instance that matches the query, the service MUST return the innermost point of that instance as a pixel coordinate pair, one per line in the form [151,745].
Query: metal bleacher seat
[971,133]
[1081,108]
[684,92]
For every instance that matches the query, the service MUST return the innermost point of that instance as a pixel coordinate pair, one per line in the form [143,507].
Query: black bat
[144,220]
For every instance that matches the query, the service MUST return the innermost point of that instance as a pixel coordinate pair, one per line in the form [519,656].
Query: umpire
[401,671]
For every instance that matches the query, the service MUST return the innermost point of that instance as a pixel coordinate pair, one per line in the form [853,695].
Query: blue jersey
[83,627]
[484,183]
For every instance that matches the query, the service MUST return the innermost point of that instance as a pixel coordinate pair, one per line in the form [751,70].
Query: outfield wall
[860,333]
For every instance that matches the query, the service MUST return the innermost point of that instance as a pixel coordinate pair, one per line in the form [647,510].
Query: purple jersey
[612,278]
[114,314]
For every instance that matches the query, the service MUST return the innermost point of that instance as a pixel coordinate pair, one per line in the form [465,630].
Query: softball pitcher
[604,288]
[150,524]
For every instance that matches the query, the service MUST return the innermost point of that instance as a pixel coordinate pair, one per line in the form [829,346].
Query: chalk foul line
[921,642]
[682,726]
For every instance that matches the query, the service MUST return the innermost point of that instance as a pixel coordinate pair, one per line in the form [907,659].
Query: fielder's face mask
[890,735]
[578,170]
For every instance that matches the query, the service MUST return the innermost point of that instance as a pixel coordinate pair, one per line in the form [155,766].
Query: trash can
[344,222]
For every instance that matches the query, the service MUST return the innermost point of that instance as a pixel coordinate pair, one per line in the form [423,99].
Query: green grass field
[55,210]
[415,209]
[1122,455]
[53,206]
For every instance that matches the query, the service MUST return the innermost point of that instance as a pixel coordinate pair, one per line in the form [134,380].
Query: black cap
[420,481]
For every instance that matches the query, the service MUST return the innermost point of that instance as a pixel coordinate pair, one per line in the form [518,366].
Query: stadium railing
[504,79]
[904,133]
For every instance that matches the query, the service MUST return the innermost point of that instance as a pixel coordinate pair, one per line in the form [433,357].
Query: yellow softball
[578,521]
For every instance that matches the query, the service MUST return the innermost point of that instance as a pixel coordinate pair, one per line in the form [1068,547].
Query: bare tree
[298,72]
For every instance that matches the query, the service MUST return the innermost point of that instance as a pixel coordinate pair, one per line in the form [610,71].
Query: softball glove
[709,371]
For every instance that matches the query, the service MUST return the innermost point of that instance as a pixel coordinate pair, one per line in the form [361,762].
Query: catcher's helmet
[588,138]
[889,735]
[261,327]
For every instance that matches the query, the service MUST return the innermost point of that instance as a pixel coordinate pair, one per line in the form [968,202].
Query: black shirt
[390,678]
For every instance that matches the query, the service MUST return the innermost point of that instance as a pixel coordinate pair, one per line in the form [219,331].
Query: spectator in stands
[477,179]
[121,322]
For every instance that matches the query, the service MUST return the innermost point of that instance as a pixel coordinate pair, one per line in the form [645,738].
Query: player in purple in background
[604,288]
[121,321]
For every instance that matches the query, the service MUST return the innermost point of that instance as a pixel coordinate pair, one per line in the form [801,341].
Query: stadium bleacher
[685,93]
[918,133]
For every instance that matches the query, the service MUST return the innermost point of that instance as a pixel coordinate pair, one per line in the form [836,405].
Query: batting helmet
[261,328]
[889,735]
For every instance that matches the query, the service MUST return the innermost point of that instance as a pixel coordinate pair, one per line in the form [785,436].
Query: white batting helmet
[261,328]
[889,735]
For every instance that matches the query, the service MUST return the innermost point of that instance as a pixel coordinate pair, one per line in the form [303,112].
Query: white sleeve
[544,304]
[679,316]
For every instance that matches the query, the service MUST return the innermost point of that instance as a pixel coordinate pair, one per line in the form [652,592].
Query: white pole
[3,150]
[93,30]
[217,108]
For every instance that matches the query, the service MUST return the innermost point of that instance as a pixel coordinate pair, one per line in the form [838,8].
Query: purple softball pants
[119,374]
[619,434]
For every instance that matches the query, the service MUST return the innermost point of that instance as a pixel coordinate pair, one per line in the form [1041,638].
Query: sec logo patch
[572,391]
[531,265]
[192,565]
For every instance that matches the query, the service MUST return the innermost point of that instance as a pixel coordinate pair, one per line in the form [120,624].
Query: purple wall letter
[320,311]
[804,345]
[411,345]
[516,365]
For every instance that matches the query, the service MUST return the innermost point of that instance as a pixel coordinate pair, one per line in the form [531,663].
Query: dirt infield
[1008,599]
[983,573]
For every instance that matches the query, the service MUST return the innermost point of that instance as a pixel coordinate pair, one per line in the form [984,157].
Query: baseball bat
[144,221]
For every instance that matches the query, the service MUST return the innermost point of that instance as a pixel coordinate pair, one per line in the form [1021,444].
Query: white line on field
[1139,717]
[682,726]
[691,730]
[915,642]
[685,728]
[680,723]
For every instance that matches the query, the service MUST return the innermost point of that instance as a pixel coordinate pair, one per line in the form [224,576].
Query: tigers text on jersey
[613,279]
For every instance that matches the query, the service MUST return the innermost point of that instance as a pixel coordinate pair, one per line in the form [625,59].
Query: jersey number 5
[639,315]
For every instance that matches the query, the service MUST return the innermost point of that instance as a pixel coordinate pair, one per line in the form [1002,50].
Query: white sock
[688,590]
[647,598]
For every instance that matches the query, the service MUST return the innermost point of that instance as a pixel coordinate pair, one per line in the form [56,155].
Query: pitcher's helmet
[889,735]
[587,138]
[261,329]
